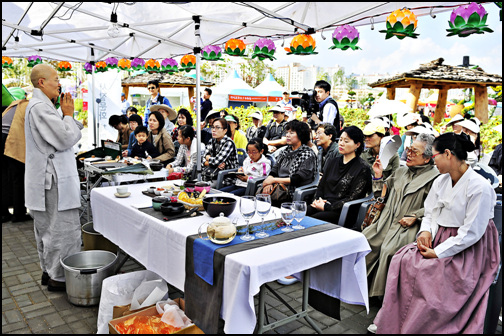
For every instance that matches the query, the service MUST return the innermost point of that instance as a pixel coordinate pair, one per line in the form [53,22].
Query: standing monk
[51,180]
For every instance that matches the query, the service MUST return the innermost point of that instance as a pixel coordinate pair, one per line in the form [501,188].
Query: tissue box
[123,313]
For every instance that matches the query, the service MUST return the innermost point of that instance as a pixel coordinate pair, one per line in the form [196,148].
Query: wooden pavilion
[165,81]
[436,75]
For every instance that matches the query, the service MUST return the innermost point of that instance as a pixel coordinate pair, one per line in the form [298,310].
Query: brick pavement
[28,307]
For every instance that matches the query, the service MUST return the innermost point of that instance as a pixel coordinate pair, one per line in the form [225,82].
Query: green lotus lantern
[235,47]
[188,63]
[169,65]
[468,19]
[34,60]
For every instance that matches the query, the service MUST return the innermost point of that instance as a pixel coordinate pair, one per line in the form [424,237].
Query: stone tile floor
[28,308]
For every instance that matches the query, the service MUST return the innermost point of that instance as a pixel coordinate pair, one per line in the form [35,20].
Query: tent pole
[197,52]
[95,117]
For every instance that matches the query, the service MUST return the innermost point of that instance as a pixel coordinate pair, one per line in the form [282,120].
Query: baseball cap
[276,109]
[230,118]
[257,115]
[375,126]
[123,94]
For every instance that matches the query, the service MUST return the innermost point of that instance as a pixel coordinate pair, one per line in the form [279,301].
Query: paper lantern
[264,48]
[469,19]
[169,65]
[34,60]
[101,66]
[124,64]
[152,66]
[302,45]
[112,62]
[137,64]
[6,62]
[345,37]
[64,66]
[235,47]
[212,53]
[401,23]
[188,62]
[88,68]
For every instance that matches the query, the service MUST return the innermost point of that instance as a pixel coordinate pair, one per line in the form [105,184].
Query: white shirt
[329,113]
[469,206]
[255,169]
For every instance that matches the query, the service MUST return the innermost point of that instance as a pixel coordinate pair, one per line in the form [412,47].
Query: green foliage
[141,110]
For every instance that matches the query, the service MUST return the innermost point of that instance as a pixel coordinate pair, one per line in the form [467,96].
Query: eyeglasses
[216,128]
[252,153]
[433,156]
[151,88]
[412,152]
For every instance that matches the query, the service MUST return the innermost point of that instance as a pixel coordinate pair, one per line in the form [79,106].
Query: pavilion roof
[164,79]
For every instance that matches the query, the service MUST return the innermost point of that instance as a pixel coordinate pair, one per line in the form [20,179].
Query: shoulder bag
[280,192]
[375,210]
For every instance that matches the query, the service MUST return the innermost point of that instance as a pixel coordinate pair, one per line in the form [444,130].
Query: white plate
[122,196]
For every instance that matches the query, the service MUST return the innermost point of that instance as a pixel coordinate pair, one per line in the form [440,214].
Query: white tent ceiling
[159,30]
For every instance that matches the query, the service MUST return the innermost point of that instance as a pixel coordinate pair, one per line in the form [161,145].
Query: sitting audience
[134,121]
[220,153]
[439,284]
[325,138]
[120,123]
[296,165]
[255,165]
[256,130]
[183,118]
[130,111]
[160,138]
[187,155]
[143,149]
[234,131]
[345,178]
[168,114]
[274,137]
[405,192]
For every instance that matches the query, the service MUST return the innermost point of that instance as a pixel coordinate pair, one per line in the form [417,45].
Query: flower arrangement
[345,37]
[212,53]
[34,60]
[469,19]
[302,45]
[401,23]
[264,48]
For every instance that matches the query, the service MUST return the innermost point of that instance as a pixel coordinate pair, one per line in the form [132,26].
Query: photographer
[328,108]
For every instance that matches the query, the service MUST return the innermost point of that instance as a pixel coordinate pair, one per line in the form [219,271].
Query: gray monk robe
[407,189]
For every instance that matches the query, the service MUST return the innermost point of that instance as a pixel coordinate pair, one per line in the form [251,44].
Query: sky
[396,56]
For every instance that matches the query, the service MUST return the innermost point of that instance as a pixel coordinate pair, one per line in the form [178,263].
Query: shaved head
[45,78]
[41,71]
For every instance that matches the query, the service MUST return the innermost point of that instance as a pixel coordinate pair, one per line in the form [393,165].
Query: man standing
[124,103]
[206,105]
[327,106]
[286,104]
[52,190]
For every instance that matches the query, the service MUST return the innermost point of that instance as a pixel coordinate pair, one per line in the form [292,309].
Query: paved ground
[27,306]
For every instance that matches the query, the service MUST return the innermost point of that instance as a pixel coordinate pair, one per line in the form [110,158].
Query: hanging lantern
[34,60]
[101,66]
[345,37]
[212,53]
[64,66]
[111,62]
[235,47]
[124,64]
[469,19]
[264,48]
[6,62]
[401,23]
[188,62]
[169,65]
[88,68]
[302,45]
[152,66]
[137,64]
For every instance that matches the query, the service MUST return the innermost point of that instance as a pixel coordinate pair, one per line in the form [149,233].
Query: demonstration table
[335,258]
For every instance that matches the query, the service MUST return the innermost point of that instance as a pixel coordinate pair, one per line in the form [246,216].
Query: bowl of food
[189,185]
[158,191]
[200,186]
[158,201]
[156,166]
[217,204]
[171,209]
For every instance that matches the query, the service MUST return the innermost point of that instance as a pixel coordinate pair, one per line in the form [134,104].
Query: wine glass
[287,211]
[263,209]
[247,209]
[300,212]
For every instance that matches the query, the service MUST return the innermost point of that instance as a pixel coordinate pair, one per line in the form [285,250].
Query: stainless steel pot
[84,273]
[94,240]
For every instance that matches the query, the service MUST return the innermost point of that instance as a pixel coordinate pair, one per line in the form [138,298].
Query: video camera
[308,104]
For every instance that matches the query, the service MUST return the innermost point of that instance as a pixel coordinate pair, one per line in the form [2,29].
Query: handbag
[375,210]
[210,174]
[279,192]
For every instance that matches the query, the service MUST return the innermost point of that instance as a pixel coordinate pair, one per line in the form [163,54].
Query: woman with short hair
[120,123]
[160,138]
[187,155]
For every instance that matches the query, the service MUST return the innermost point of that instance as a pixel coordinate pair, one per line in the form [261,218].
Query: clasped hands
[424,244]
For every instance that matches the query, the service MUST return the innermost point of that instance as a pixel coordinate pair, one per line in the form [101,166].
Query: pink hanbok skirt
[440,295]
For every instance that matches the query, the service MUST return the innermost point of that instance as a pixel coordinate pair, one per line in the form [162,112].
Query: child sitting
[143,148]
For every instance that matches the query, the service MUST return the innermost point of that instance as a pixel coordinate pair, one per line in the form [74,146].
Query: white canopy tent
[232,86]
[271,89]
[78,31]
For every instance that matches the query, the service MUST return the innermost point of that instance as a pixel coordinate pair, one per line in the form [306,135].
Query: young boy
[134,121]
[143,148]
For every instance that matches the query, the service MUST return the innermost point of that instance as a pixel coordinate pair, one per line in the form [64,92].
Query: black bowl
[156,166]
[214,210]
[190,183]
[170,209]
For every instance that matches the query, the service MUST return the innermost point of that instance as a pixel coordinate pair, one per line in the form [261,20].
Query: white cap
[257,115]
[276,109]
[407,119]
[419,129]
[383,120]
[456,118]
[470,125]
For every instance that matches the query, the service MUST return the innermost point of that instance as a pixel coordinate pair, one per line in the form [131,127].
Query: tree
[254,71]
[338,77]
[350,83]
[362,83]
[19,74]
[321,75]
[210,73]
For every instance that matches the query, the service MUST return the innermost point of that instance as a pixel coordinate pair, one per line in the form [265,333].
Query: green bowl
[157,201]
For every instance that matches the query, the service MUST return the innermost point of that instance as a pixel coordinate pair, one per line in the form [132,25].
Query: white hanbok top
[469,205]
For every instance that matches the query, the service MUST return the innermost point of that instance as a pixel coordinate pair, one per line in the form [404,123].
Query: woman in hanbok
[439,284]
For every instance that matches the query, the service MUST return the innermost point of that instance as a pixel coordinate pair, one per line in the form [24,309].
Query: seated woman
[187,155]
[439,284]
[183,118]
[120,123]
[296,165]
[160,138]
[255,165]
[472,129]
[325,138]
[346,177]
[220,153]
[239,138]
[405,192]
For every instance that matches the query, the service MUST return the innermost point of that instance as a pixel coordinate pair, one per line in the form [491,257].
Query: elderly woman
[121,124]
[160,138]
[405,192]
[346,177]
[296,165]
[220,153]
[439,284]
[239,138]
[325,138]
[187,154]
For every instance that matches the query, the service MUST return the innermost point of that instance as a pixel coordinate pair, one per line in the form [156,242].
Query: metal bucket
[84,273]
[94,240]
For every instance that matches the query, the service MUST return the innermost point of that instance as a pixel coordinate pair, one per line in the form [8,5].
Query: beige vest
[15,145]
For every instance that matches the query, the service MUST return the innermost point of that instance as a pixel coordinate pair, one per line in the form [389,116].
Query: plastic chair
[349,213]
[362,214]
[240,152]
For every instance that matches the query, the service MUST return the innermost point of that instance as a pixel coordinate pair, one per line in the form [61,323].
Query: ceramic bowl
[158,201]
[200,186]
[170,209]
[214,209]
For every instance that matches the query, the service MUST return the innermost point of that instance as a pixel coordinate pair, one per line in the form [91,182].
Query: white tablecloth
[336,258]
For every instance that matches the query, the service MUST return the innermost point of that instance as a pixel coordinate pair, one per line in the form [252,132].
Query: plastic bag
[172,314]
[148,293]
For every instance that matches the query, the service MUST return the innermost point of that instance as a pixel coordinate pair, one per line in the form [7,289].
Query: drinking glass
[247,209]
[263,209]
[287,211]
[300,212]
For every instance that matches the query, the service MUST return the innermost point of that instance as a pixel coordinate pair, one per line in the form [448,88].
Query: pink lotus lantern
[264,48]
[88,68]
[137,64]
[169,65]
[468,19]
[345,37]
[112,62]
[212,53]
[34,60]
